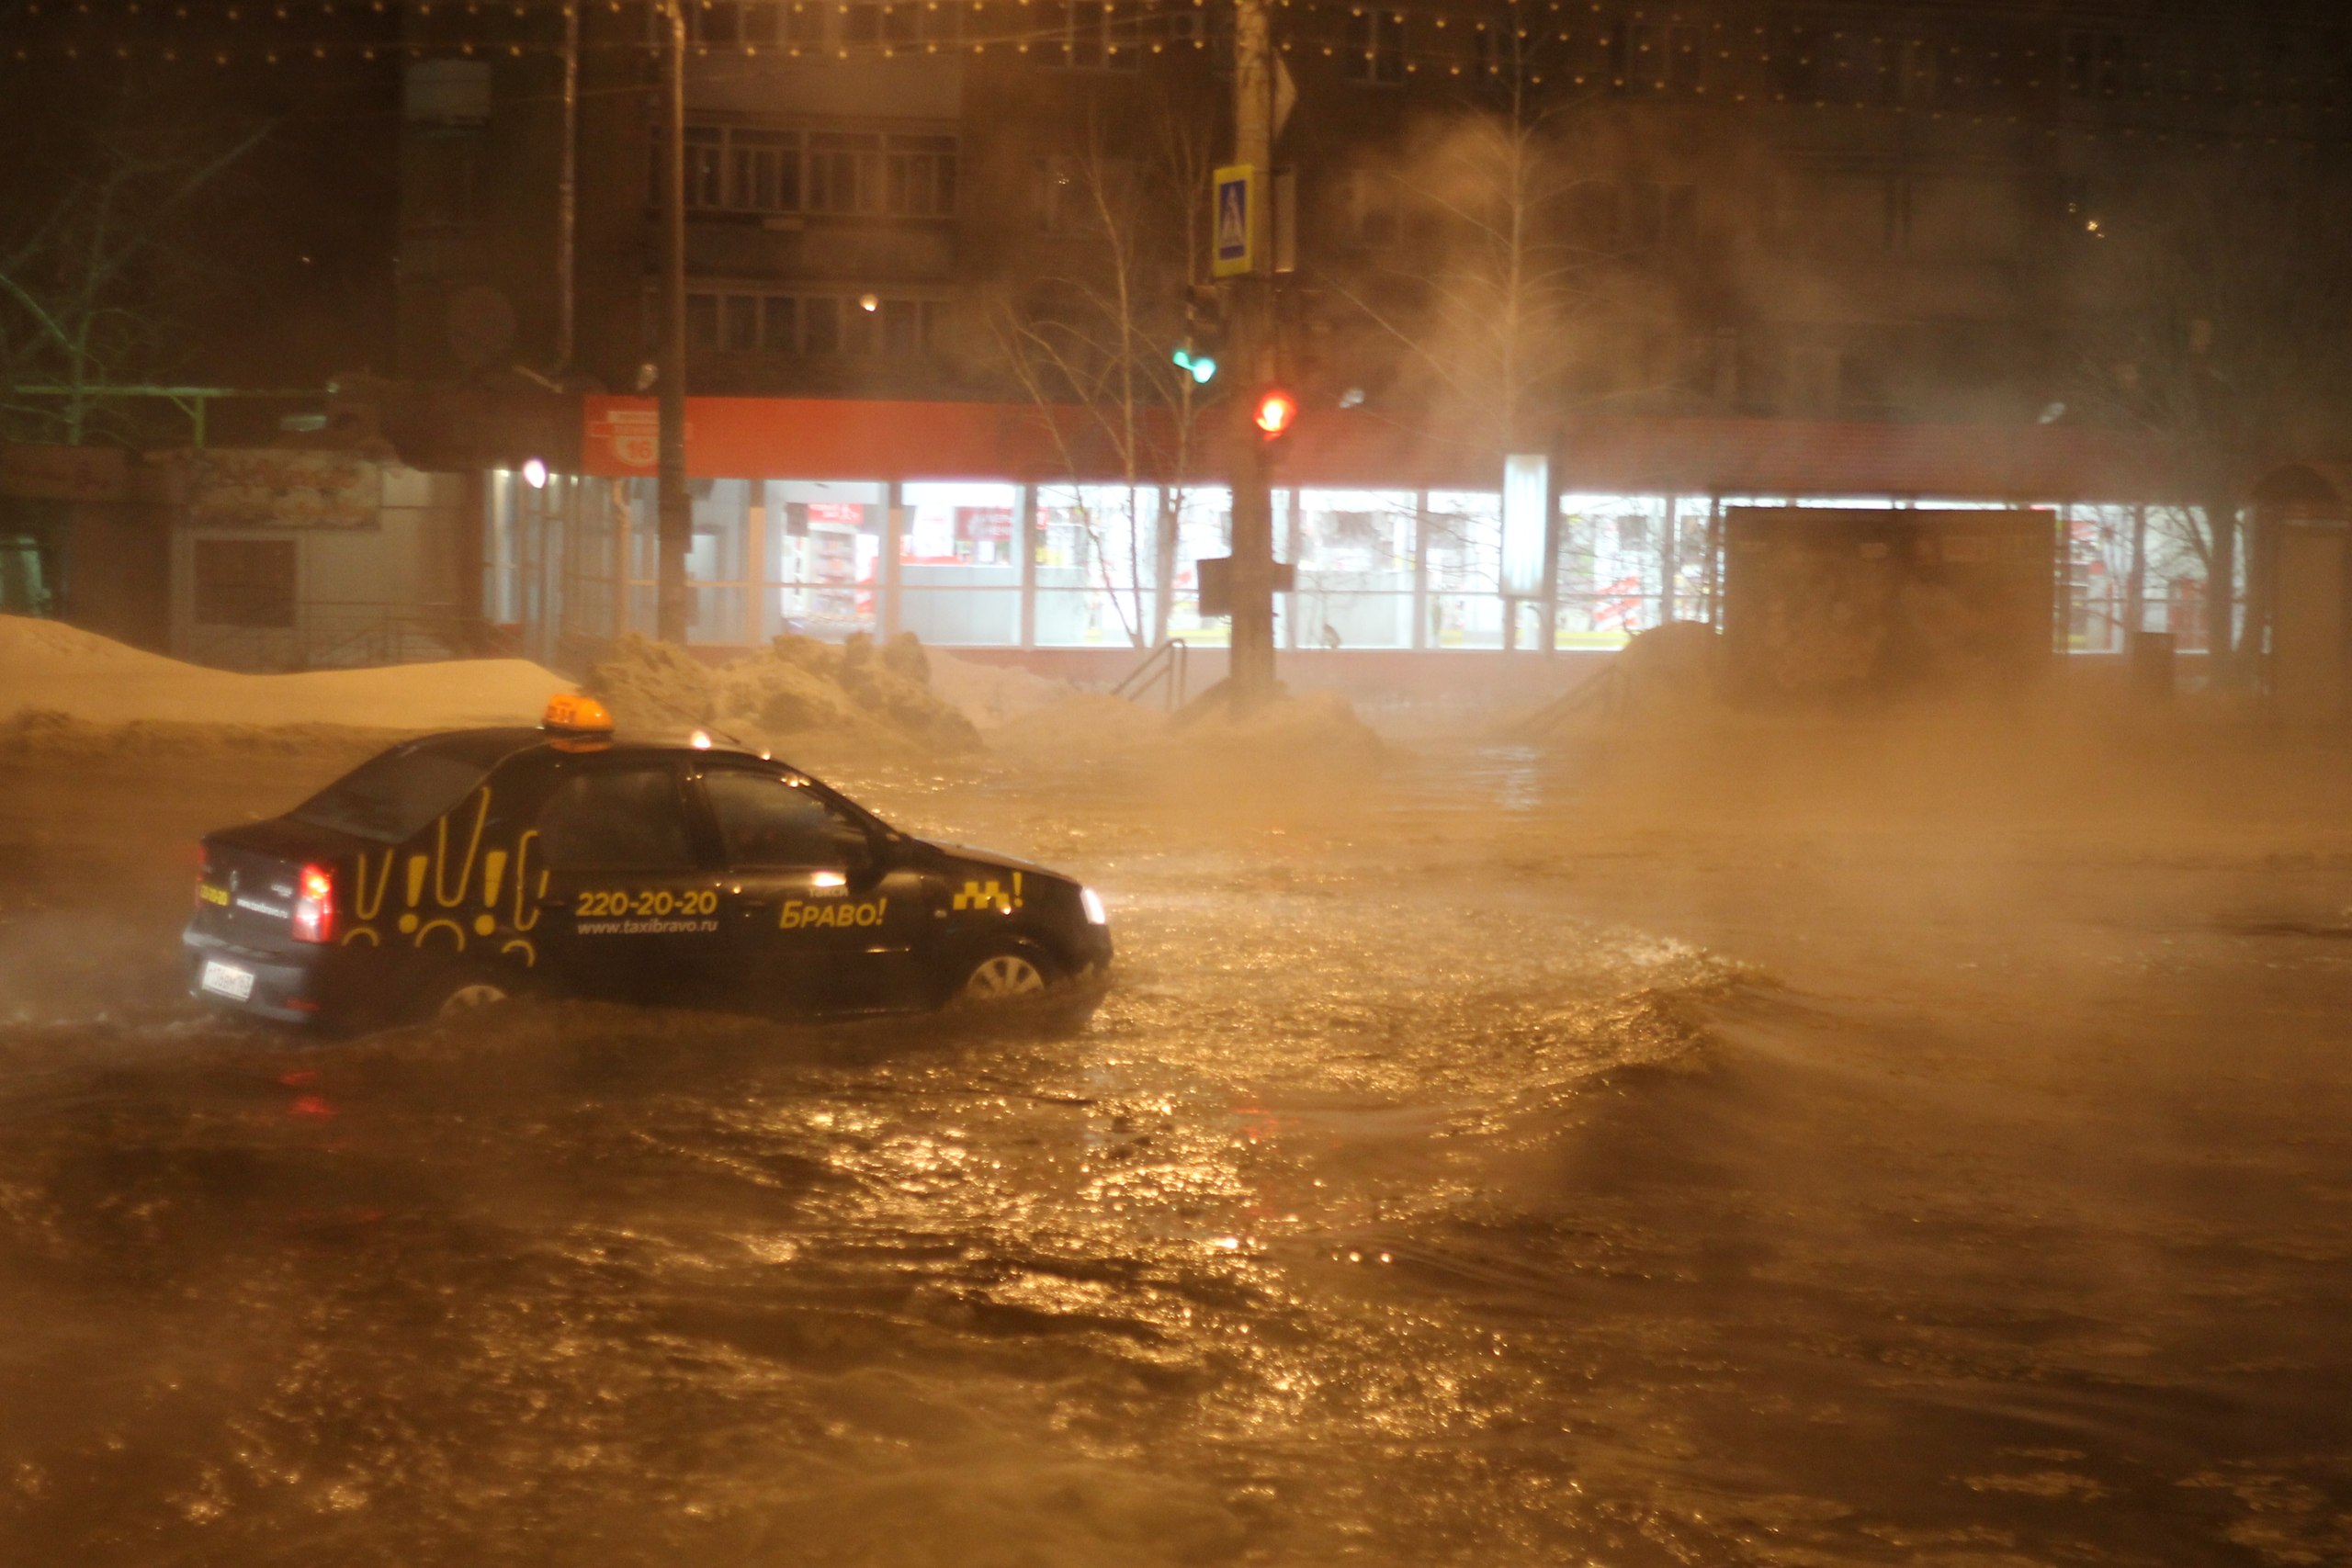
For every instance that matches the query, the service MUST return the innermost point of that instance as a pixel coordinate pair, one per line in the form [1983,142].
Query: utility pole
[674,508]
[1249,324]
[566,193]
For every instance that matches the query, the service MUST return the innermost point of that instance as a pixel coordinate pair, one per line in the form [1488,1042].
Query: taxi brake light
[314,908]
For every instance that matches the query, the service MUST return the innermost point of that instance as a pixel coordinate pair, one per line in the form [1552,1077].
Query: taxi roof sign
[576,715]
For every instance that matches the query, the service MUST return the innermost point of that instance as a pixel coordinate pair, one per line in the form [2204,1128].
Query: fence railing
[351,636]
[1165,670]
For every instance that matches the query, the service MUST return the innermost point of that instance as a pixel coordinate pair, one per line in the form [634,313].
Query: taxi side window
[617,819]
[769,822]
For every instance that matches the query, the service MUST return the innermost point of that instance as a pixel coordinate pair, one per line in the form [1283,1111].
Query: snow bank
[50,668]
[798,693]
[1310,730]
[993,694]
[1083,724]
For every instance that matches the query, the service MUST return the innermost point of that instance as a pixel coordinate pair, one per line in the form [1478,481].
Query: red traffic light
[1277,409]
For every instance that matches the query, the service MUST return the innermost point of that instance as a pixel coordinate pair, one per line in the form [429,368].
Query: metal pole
[1026,534]
[1253,507]
[1420,637]
[567,194]
[1714,561]
[2136,580]
[675,531]
[1669,561]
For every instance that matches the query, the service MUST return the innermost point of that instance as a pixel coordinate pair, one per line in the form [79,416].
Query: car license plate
[227,980]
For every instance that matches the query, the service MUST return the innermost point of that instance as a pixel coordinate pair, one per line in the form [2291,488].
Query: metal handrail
[1166,667]
[366,633]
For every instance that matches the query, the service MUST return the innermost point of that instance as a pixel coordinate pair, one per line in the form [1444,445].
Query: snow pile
[48,734]
[53,669]
[797,691]
[1316,728]
[1310,728]
[993,694]
[1084,724]
[1669,675]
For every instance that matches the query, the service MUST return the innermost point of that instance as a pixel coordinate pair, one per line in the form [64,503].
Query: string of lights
[1643,52]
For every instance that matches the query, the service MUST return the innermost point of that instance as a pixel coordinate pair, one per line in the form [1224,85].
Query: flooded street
[1837,1157]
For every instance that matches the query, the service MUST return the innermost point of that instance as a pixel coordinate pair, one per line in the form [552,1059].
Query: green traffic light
[1200,366]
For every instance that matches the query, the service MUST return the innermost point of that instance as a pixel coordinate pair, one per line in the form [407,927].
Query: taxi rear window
[386,798]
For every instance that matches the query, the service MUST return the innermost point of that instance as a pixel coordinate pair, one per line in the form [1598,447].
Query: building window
[702,323]
[797,24]
[780,324]
[1089,35]
[821,325]
[844,172]
[706,161]
[1165,21]
[1376,46]
[748,322]
[761,169]
[2104,65]
[742,323]
[1915,71]
[245,582]
[898,24]
[1661,57]
[716,21]
[920,175]
[764,170]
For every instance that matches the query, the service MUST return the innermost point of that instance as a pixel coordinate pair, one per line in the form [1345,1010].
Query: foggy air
[1133,783]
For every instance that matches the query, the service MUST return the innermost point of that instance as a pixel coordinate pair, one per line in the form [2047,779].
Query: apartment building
[1704,228]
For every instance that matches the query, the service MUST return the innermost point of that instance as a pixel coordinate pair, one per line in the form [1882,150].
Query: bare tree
[77,307]
[1089,343]
[2224,326]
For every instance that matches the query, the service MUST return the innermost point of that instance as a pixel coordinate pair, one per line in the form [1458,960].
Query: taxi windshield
[389,798]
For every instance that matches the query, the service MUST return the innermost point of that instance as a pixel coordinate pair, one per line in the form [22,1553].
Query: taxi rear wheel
[1004,976]
[473,994]
[468,992]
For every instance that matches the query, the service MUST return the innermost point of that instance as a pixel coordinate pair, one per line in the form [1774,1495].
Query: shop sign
[32,472]
[264,488]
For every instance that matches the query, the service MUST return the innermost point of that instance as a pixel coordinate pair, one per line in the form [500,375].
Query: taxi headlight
[1092,902]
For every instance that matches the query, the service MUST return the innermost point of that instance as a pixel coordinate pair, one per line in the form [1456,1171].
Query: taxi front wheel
[1005,975]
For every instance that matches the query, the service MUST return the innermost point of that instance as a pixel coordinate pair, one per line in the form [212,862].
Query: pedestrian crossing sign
[1236,221]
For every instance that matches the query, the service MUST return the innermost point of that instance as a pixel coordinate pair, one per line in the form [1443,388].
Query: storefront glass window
[1203,518]
[1355,569]
[1465,553]
[1095,549]
[959,570]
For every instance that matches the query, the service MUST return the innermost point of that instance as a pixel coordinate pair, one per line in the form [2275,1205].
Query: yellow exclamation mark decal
[1016,890]
[493,870]
[415,891]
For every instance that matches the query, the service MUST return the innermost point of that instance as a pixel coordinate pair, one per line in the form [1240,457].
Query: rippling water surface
[1406,1202]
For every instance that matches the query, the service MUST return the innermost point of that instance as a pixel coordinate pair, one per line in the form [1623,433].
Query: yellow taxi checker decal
[799,914]
[990,894]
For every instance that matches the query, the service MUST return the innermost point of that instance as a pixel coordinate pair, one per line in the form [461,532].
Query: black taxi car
[463,868]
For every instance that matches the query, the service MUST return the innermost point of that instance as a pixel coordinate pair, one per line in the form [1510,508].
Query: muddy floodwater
[1862,1148]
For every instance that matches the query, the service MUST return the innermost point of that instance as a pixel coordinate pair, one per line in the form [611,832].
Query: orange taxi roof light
[577,714]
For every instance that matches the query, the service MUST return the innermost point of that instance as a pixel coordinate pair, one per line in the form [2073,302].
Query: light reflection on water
[1381,1213]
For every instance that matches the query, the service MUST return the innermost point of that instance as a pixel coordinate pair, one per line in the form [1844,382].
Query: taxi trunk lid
[252,878]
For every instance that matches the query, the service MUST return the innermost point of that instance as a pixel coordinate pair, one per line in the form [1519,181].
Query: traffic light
[1276,410]
[1197,362]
